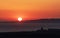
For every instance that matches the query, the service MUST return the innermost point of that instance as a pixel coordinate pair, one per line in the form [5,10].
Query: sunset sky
[29,9]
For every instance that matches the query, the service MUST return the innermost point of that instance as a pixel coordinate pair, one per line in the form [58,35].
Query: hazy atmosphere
[13,12]
[29,9]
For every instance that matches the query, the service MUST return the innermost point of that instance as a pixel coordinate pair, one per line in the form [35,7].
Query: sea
[18,27]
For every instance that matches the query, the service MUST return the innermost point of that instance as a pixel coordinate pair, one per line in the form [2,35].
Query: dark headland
[35,21]
[43,21]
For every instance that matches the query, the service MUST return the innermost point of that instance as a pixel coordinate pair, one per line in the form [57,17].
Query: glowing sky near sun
[29,9]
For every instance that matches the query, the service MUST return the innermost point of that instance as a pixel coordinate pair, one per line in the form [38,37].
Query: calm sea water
[13,27]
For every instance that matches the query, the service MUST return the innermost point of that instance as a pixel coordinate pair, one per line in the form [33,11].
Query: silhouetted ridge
[36,21]
[44,21]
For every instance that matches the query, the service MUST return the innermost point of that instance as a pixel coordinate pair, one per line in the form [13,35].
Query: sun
[20,19]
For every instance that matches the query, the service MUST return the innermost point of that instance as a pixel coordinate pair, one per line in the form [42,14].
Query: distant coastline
[35,21]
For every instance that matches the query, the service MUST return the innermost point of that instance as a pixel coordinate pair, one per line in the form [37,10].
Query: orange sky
[29,9]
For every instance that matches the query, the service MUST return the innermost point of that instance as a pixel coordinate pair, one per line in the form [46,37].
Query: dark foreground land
[35,34]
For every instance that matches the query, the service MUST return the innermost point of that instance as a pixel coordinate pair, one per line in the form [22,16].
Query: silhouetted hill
[36,21]
[43,21]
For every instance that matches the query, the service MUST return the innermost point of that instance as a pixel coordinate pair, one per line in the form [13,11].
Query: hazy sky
[29,9]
